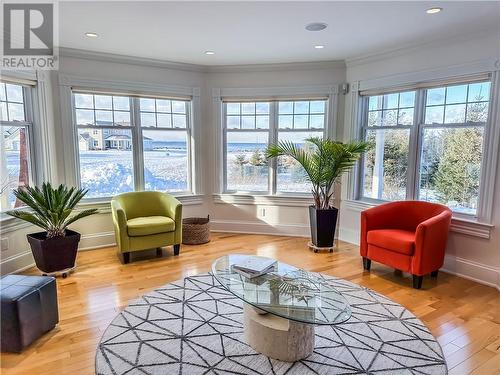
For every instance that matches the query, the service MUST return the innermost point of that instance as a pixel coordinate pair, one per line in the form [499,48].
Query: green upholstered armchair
[146,220]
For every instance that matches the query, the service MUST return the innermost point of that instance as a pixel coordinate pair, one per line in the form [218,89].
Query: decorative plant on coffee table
[323,166]
[50,209]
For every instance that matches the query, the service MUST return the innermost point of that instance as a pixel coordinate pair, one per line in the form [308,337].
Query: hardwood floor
[463,315]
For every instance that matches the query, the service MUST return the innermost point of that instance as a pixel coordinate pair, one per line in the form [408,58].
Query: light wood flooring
[462,314]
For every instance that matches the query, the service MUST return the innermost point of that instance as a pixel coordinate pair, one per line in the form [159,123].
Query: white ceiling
[264,32]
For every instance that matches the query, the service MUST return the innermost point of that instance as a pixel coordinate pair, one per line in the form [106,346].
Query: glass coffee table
[282,307]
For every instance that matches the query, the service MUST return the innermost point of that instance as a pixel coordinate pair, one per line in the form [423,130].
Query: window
[165,144]
[16,124]
[120,151]
[389,121]
[105,144]
[428,145]
[297,121]
[251,126]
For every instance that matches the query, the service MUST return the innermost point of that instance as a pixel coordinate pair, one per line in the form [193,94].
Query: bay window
[249,127]
[130,143]
[15,145]
[427,144]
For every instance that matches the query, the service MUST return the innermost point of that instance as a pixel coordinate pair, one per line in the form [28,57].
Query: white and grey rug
[194,326]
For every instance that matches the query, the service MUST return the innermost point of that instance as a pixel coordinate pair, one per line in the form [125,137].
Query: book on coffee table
[254,267]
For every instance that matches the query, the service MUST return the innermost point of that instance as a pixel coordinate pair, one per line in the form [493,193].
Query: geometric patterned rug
[194,326]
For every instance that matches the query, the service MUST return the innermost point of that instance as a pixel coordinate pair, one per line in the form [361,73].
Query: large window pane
[165,160]
[106,166]
[385,165]
[451,167]
[246,164]
[291,176]
[14,159]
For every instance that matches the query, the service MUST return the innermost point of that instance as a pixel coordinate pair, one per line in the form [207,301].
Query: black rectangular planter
[323,224]
[54,254]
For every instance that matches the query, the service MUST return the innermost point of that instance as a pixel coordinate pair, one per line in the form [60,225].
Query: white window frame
[28,88]
[491,138]
[136,130]
[272,131]
[68,83]
[272,95]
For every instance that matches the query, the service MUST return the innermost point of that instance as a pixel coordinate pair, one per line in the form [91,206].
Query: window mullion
[138,152]
[273,139]
[415,147]
[224,148]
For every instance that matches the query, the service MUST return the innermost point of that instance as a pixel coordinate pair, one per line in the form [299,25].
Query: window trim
[273,134]
[221,95]
[68,83]
[491,139]
[30,123]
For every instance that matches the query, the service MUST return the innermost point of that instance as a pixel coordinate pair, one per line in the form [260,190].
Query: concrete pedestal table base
[275,337]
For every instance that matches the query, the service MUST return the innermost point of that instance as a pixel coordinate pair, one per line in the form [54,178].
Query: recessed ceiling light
[319,46]
[316,26]
[433,10]
[91,35]
[209,53]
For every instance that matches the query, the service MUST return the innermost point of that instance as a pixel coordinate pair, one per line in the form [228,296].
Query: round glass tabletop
[286,291]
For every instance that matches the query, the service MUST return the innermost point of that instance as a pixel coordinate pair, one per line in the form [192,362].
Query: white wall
[473,257]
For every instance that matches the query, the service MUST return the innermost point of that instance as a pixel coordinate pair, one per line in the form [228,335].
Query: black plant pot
[54,254]
[323,224]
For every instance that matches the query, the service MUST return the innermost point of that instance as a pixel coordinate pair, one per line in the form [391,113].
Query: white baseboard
[461,267]
[24,260]
[251,227]
[471,270]
[16,263]
[97,240]
[349,235]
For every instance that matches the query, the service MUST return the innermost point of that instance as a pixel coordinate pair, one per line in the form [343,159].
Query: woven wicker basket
[196,230]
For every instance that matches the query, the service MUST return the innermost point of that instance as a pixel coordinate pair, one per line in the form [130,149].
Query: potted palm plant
[323,165]
[54,249]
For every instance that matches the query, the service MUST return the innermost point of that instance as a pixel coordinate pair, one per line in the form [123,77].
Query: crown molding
[391,53]
[331,64]
[142,61]
[132,60]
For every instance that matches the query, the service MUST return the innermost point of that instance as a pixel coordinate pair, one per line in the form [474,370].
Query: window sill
[10,224]
[458,224]
[104,205]
[266,200]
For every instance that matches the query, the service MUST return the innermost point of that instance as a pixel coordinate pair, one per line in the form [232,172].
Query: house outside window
[112,158]
[16,126]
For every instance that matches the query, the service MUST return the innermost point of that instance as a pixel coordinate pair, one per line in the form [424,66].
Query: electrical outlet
[4,244]
[263,212]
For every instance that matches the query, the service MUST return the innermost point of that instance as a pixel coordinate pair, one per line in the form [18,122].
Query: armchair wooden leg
[177,249]
[367,263]
[417,281]
[434,273]
[159,252]
[126,258]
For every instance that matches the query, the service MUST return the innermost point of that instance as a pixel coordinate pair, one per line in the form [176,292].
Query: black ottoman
[29,309]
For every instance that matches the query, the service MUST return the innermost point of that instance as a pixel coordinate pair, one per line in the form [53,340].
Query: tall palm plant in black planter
[323,165]
[54,249]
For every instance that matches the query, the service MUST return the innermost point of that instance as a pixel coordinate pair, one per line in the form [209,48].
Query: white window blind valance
[131,94]
[426,85]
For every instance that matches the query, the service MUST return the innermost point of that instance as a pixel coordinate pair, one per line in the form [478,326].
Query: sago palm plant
[323,164]
[50,208]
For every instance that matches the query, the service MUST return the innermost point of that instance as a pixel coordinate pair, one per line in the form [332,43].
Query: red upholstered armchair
[409,236]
